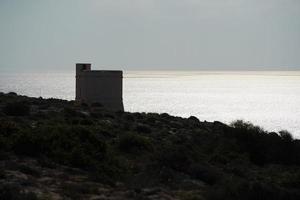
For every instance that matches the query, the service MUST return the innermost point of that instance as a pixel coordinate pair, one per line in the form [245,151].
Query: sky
[150,34]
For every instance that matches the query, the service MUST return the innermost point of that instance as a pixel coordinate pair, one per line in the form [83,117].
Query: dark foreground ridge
[54,149]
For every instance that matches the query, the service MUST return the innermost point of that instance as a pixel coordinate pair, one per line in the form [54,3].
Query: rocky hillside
[55,149]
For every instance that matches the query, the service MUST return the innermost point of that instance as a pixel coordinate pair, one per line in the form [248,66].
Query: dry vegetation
[54,149]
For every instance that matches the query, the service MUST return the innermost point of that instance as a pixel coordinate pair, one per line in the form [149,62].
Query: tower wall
[103,86]
[80,67]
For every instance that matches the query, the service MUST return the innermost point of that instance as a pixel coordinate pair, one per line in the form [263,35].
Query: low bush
[86,122]
[237,189]
[142,128]
[241,161]
[17,109]
[12,94]
[286,136]
[28,143]
[174,156]
[129,117]
[8,127]
[75,146]
[133,143]
[29,170]
[14,192]
[263,147]
[207,174]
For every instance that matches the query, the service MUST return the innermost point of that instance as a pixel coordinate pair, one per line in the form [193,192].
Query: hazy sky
[149,34]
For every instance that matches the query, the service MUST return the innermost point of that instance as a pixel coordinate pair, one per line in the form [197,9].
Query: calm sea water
[268,99]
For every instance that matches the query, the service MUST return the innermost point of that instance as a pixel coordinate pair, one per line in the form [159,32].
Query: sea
[270,99]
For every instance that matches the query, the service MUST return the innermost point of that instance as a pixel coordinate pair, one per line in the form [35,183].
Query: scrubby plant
[14,192]
[142,128]
[285,135]
[263,147]
[129,117]
[133,143]
[86,122]
[205,173]
[70,112]
[17,109]
[8,127]
[28,143]
[174,156]
[241,161]
[248,126]
[12,94]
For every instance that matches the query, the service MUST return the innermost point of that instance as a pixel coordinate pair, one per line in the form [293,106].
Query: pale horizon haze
[41,35]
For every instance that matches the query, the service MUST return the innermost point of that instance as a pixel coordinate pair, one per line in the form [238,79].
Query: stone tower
[99,86]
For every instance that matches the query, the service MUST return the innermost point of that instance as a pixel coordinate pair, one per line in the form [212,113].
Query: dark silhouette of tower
[99,86]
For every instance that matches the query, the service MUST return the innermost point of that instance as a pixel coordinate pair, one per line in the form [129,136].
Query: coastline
[58,149]
[268,101]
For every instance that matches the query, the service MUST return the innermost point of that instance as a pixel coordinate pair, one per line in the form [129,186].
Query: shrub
[29,170]
[174,156]
[234,188]
[75,146]
[12,94]
[79,158]
[251,139]
[129,117]
[205,173]
[17,109]
[28,143]
[194,119]
[8,127]
[131,143]
[247,126]
[263,147]
[286,136]
[76,190]
[165,115]
[86,122]
[142,128]
[14,192]
[70,112]
[2,174]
